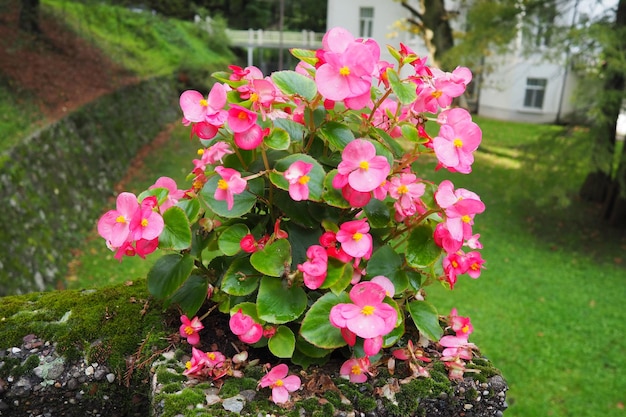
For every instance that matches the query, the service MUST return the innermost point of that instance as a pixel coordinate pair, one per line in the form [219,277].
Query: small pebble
[468,406]
[89,371]
[110,378]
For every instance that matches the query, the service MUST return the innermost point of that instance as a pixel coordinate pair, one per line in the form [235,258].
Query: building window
[366,22]
[535,91]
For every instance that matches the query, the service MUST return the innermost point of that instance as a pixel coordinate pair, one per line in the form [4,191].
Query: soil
[56,69]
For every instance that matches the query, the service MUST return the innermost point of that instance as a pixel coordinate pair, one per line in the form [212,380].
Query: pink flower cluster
[457,348]
[245,328]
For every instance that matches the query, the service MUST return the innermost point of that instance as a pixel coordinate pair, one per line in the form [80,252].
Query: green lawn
[548,310]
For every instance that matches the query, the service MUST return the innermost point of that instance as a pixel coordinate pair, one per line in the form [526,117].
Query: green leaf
[242,202]
[191,207]
[230,238]
[168,273]
[191,295]
[160,193]
[377,213]
[385,261]
[283,343]
[316,328]
[278,139]
[176,233]
[409,132]
[316,175]
[307,55]
[296,131]
[393,336]
[291,82]
[404,91]
[240,278]
[339,275]
[278,303]
[333,196]
[421,250]
[337,135]
[426,319]
[274,259]
[310,350]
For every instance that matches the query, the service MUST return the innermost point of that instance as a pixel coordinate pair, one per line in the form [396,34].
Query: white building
[520,87]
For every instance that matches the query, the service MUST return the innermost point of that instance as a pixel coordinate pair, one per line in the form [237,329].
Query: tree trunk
[29,17]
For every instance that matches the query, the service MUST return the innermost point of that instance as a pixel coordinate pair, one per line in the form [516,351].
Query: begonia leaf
[283,343]
[278,139]
[377,213]
[278,303]
[316,174]
[274,259]
[316,328]
[421,249]
[333,196]
[176,232]
[243,202]
[409,132]
[191,207]
[386,262]
[339,275]
[406,92]
[337,135]
[168,273]
[191,295]
[307,55]
[309,349]
[240,278]
[158,192]
[296,131]
[291,82]
[297,211]
[230,238]
[426,319]
[301,238]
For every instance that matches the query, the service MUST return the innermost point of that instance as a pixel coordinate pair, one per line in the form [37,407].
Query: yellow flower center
[357,236]
[355,370]
[364,165]
[368,310]
[254,97]
[403,189]
[222,184]
[466,219]
[465,329]
[144,222]
[454,264]
[242,115]
[188,330]
[436,94]
[304,179]
[475,266]
[458,143]
[120,219]
[345,71]
[188,365]
[200,152]
[279,383]
[204,103]
[211,356]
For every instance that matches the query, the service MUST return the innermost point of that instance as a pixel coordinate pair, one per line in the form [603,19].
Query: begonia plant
[307,220]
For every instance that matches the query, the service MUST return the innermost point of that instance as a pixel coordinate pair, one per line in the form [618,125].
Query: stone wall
[55,183]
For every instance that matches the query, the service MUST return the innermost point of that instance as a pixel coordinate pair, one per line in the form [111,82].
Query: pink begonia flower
[230,184]
[141,248]
[456,347]
[474,262]
[215,358]
[173,195]
[355,369]
[347,66]
[329,241]
[216,153]
[204,130]
[407,191]
[250,138]
[473,242]
[314,270]
[353,197]
[454,116]
[189,329]
[296,176]
[113,226]
[365,170]
[444,239]
[462,326]
[240,119]
[386,284]
[367,316]
[244,327]
[460,208]
[453,265]
[454,146]
[372,345]
[280,383]
[354,239]
[194,106]
[197,364]
[215,113]
[146,222]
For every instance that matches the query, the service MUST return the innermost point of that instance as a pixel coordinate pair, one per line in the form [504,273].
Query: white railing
[275,39]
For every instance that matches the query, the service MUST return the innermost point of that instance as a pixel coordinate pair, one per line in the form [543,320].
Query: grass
[548,310]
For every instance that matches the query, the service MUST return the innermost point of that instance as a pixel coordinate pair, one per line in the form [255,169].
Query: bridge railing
[272,38]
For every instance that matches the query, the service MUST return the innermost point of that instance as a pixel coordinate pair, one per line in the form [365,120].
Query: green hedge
[55,183]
